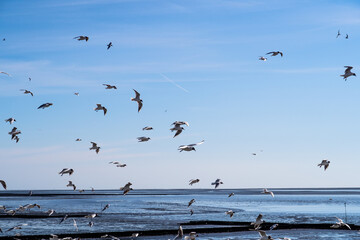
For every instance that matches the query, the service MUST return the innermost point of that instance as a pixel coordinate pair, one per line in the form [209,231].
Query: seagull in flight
[192,236]
[45,105]
[108,86]
[193,181]
[347,36]
[143,139]
[114,162]
[257,222]
[190,147]
[275,53]
[191,202]
[231,194]
[10,120]
[263,235]
[67,171]
[99,107]
[180,123]
[5,73]
[138,100]
[180,233]
[273,226]
[147,128]
[324,163]
[265,191]
[126,188]
[14,132]
[338,34]
[27,92]
[70,184]
[109,45]
[230,213]
[78,140]
[75,225]
[262,58]
[340,223]
[64,218]
[217,182]
[121,165]
[178,129]
[106,207]
[348,72]
[3,184]
[80,38]
[94,147]
[76,93]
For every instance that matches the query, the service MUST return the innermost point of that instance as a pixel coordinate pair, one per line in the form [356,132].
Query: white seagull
[265,191]
[191,202]
[324,163]
[190,147]
[217,182]
[94,147]
[340,223]
[230,213]
[67,171]
[147,128]
[263,235]
[10,120]
[70,184]
[138,100]
[257,222]
[99,107]
[193,181]
[177,128]
[108,86]
[27,92]
[126,188]
[14,132]
[192,236]
[180,233]
[348,72]
[262,58]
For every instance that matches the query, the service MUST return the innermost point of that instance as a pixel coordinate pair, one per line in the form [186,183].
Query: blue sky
[194,61]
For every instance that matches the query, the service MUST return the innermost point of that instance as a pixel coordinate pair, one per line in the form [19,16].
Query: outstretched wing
[194,144]
[3,183]
[140,105]
[137,94]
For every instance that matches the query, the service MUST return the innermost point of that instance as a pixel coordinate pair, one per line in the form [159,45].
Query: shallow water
[165,209]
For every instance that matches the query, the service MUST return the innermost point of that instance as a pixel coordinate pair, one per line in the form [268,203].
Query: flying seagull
[76,93]
[230,213]
[126,188]
[27,92]
[263,235]
[95,147]
[109,45]
[70,184]
[79,38]
[338,34]
[273,226]
[340,223]
[121,165]
[45,105]
[190,147]
[78,140]
[193,181]
[64,218]
[347,36]
[178,129]
[106,207]
[10,120]
[50,212]
[262,58]
[192,236]
[275,53]
[14,132]
[231,194]
[217,182]
[147,128]
[137,99]
[324,163]
[108,86]
[257,222]
[143,139]
[191,202]
[67,171]
[348,72]
[3,183]
[99,107]
[265,191]
[6,73]
[75,225]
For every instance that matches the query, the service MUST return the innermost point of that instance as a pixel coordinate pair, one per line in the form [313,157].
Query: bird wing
[259,218]
[178,132]
[272,194]
[262,233]
[348,69]
[346,225]
[270,52]
[5,73]
[281,53]
[339,219]
[194,144]
[105,111]
[3,183]
[140,106]
[41,106]
[98,105]
[106,85]
[137,93]
[94,144]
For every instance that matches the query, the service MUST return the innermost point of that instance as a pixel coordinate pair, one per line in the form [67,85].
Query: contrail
[177,85]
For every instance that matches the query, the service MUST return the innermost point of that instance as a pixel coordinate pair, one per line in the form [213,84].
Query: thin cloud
[174,83]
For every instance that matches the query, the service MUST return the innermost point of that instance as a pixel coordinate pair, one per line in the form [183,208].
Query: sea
[153,209]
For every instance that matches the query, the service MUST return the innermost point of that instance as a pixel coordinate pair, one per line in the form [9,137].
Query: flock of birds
[177,128]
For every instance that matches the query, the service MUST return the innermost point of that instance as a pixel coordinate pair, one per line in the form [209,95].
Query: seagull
[95,147]
[275,53]
[78,140]
[99,107]
[217,183]
[5,73]
[110,236]
[64,218]
[79,38]
[191,202]
[67,171]
[3,184]
[147,128]
[191,212]
[106,207]
[77,94]
[137,99]
[324,163]
[263,235]
[180,233]
[262,58]
[10,120]
[265,191]
[93,215]
[338,34]
[126,188]
[178,129]
[190,147]
[70,184]
[27,92]
[230,213]
[109,45]
[134,235]
[340,224]
[257,222]
[347,36]
[81,190]
[348,72]
[121,165]
[17,227]
[14,132]
[114,162]
[91,224]
[75,225]
[29,206]
[274,226]
[143,139]
[16,138]
[231,194]
[108,86]
[193,181]
[180,123]
[45,105]
[50,212]
[192,236]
